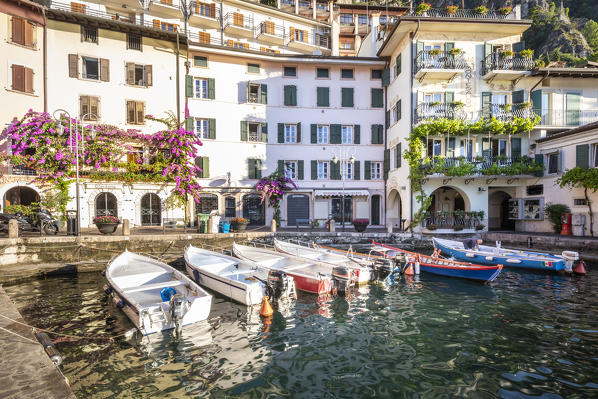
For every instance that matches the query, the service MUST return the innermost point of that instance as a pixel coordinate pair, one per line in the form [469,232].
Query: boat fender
[120,304]
[167,293]
[196,276]
[416,268]
[570,255]
[512,260]
[489,258]
[48,345]
[470,254]
[107,289]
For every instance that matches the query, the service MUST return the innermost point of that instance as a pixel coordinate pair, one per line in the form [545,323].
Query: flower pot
[239,226]
[107,228]
[360,227]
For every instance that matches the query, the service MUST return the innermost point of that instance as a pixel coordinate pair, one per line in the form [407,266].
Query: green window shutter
[314,170]
[244,130]
[448,46]
[300,170]
[335,134]
[299,133]
[487,49]
[516,148]
[335,171]
[280,166]
[323,96]
[419,47]
[281,132]
[517,97]
[572,102]
[264,94]
[253,68]
[264,132]
[399,155]
[347,97]
[290,95]
[258,168]
[205,167]
[356,171]
[377,98]
[449,97]
[399,103]
[375,134]
[367,170]
[356,134]
[211,88]
[518,47]
[212,128]
[380,134]
[314,133]
[486,104]
[398,65]
[386,77]
[537,101]
[189,86]
[189,124]
[450,147]
[386,162]
[251,168]
[582,156]
[539,160]
[387,118]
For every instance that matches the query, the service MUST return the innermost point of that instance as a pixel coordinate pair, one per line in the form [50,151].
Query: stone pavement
[25,369]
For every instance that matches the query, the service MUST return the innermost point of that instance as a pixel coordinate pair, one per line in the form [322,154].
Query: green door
[375,210]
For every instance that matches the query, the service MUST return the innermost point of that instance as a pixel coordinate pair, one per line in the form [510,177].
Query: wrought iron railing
[507,112]
[322,40]
[498,61]
[435,59]
[238,20]
[271,29]
[449,220]
[463,13]
[21,170]
[427,111]
[477,164]
[561,117]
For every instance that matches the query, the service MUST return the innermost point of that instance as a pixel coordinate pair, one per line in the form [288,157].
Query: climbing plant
[273,188]
[582,178]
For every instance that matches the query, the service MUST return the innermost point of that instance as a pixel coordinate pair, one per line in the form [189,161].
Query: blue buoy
[167,293]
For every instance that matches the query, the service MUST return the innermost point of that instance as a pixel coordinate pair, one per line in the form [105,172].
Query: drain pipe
[529,96]
[178,82]
[45,59]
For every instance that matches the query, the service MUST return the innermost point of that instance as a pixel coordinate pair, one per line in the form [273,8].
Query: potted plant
[458,227]
[455,51]
[360,224]
[239,224]
[451,10]
[435,103]
[431,227]
[422,8]
[527,53]
[505,10]
[106,224]
[457,104]
[434,52]
[481,10]
[507,107]
[506,53]
[525,105]
[315,223]
[479,226]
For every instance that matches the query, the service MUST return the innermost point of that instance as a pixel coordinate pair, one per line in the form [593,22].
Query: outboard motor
[569,257]
[178,309]
[381,269]
[341,278]
[277,284]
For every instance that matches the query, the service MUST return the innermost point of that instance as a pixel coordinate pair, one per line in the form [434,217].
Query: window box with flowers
[239,224]
[360,224]
[106,224]
[506,53]
[527,53]
[482,10]
[505,10]
[423,8]
[451,10]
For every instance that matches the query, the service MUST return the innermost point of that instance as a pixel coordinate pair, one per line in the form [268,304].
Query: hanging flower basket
[106,224]
[455,51]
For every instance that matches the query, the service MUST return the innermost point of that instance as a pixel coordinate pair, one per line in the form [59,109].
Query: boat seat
[146,287]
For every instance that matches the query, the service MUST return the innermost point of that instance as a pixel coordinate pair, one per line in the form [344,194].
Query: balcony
[287,6]
[166,8]
[432,111]
[237,24]
[559,118]
[462,14]
[205,14]
[497,66]
[507,112]
[306,41]
[268,32]
[479,166]
[20,170]
[439,65]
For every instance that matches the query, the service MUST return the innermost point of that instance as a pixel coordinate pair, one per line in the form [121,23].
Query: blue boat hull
[507,261]
[470,274]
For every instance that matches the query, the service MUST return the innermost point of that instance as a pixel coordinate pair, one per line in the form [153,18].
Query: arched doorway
[394,208]
[253,209]
[106,205]
[498,211]
[297,208]
[447,209]
[207,203]
[151,210]
[20,195]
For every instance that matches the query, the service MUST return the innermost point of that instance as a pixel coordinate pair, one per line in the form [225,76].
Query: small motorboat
[153,295]
[488,255]
[310,275]
[436,265]
[241,281]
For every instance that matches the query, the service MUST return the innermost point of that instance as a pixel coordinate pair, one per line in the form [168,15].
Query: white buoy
[416,268]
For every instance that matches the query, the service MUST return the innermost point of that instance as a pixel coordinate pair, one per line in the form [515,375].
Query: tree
[582,178]
[590,32]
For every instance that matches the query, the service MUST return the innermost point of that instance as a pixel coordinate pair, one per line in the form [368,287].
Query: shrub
[431,226]
[239,221]
[554,212]
[480,227]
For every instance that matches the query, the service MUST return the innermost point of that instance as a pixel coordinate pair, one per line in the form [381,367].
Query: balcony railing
[21,170]
[473,165]
[322,40]
[463,13]
[560,117]
[507,112]
[211,10]
[427,111]
[448,220]
[269,28]
[496,61]
[238,20]
[442,60]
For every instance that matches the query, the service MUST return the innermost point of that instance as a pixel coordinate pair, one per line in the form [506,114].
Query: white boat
[154,295]
[361,268]
[239,280]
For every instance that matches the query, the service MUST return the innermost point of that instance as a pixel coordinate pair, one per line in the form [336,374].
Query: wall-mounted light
[481,189]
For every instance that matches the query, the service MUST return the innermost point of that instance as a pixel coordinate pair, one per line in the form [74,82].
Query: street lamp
[345,157]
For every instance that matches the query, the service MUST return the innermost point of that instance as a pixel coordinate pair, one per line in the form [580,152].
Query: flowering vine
[273,188]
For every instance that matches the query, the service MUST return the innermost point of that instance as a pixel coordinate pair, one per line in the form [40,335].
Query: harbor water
[525,335]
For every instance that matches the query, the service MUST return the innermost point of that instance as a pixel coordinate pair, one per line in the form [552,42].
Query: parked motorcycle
[42,220]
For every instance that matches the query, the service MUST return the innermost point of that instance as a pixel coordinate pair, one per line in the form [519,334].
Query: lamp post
[344,158]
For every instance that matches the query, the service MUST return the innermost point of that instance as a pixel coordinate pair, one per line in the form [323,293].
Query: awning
[338,193]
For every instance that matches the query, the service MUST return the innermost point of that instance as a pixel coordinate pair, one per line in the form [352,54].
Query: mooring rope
[18,335]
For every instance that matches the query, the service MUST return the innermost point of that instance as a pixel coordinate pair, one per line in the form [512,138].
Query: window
[254,168]
[253,68]
[207,10]
[257,93]
[254,132]
[434,147]
[363,19]
[537,189]
[202,128]
[347,134]
[377,98]
[106,205]
[579,202]
[346,19]
[396,111]
[376,170]
[323,132]
[432,98]
[346,45]
[376,74]
[23,32]
[323,170]
[290,133]
[323,96]
[165,26]
[299,35]
[290,95]
[139,75]
[200,61]
[234,44]
[595,155]
[322,73]
[290,71]
[230,207]
[207,203]
[553,162]
[91,68]
[89,34]
[346,73]
[133,41]
[347,171]
[397,151]
[347,97]
[201,88]
[290,169]
[135,112]
[202,163]
[89,108]
[204,37]
[269,50]
[22,78]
